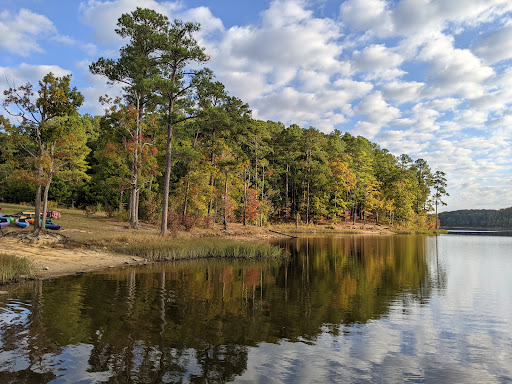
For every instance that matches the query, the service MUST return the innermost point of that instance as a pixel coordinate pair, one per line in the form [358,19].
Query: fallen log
[284,234]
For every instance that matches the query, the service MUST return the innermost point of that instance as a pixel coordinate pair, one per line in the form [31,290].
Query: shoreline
[54,258]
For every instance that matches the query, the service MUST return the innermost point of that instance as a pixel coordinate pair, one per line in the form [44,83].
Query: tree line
[477,218]
[177,148]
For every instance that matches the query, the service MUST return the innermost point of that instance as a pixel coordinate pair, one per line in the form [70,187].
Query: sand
[52,260]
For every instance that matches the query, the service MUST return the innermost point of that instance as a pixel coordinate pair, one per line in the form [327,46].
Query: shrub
[189,222]
[120,215]
[109,211]
[90,210]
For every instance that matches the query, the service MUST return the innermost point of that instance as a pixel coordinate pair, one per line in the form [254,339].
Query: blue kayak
[22,223]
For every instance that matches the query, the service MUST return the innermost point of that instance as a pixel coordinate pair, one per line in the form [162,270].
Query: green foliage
[477,218]
[177,138]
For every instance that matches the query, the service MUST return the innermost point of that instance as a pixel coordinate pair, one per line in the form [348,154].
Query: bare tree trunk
[262,193]
[436,215]
[167,175]
[121,200]
[307,207]
[287,199]
[225,201]
[185,203]
[134,207]
[45,206]
[37,205]
[137,196]
[245,197]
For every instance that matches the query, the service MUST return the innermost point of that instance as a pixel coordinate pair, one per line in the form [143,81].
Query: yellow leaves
[343,177]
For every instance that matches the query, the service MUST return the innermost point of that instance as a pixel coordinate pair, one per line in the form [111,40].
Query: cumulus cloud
[103,15]
[398,72]
[365,15]
[376,110]
[403,92]
[454,71]
[495,46]
[378,61]
[20,33]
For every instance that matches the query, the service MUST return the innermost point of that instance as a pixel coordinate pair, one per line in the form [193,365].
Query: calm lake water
[339,309]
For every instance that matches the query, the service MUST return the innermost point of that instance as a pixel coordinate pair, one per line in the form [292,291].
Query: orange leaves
[253,205]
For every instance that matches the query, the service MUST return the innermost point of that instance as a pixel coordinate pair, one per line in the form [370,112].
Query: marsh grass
[14,268]
[200,248]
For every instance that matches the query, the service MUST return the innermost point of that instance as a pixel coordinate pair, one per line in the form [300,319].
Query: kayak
[50,225]
[22,223]
[10,218]
[4,222]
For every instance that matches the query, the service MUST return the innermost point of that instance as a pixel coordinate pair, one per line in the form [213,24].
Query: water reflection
[198,321]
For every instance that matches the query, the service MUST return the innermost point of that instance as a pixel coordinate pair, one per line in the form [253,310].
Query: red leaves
[253,205]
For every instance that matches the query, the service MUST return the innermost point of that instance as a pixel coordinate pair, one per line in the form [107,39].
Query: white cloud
[378,61]
[103,15]
[376,110]
[403,92]
[310,45]
[20,33]
[495,46]
[203,16]
[367,14]
[453,71]
[397,72]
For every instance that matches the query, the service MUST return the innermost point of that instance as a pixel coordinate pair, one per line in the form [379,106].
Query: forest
[178,149]
[477,218]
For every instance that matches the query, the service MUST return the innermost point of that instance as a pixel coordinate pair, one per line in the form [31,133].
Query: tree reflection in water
[194,321]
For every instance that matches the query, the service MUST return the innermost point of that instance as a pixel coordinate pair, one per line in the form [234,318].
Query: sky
[429,78]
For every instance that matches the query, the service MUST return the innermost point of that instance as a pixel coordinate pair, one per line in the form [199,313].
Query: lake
[338,309]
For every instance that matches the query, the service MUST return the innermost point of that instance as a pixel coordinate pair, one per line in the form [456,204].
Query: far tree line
[477,218]
[177,148]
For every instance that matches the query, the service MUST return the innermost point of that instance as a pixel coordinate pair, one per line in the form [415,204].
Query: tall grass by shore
[200,248]
[14,268]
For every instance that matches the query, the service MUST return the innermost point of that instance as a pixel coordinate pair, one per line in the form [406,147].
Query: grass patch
[14,268]
[200,248]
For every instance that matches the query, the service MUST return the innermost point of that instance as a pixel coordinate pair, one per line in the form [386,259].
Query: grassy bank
[199,248]
[14,268]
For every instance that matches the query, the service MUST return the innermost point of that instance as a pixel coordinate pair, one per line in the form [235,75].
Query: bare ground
[54,257]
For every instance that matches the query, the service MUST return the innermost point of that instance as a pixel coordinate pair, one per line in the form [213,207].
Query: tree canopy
[179,149]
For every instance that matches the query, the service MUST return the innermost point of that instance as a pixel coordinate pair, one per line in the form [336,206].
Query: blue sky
[430,78]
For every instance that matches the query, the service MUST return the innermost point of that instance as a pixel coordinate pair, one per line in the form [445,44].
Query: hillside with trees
[178,149]
[477,218]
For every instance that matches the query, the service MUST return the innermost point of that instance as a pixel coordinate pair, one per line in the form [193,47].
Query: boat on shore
[51,225]
[22,223]
[4,222]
